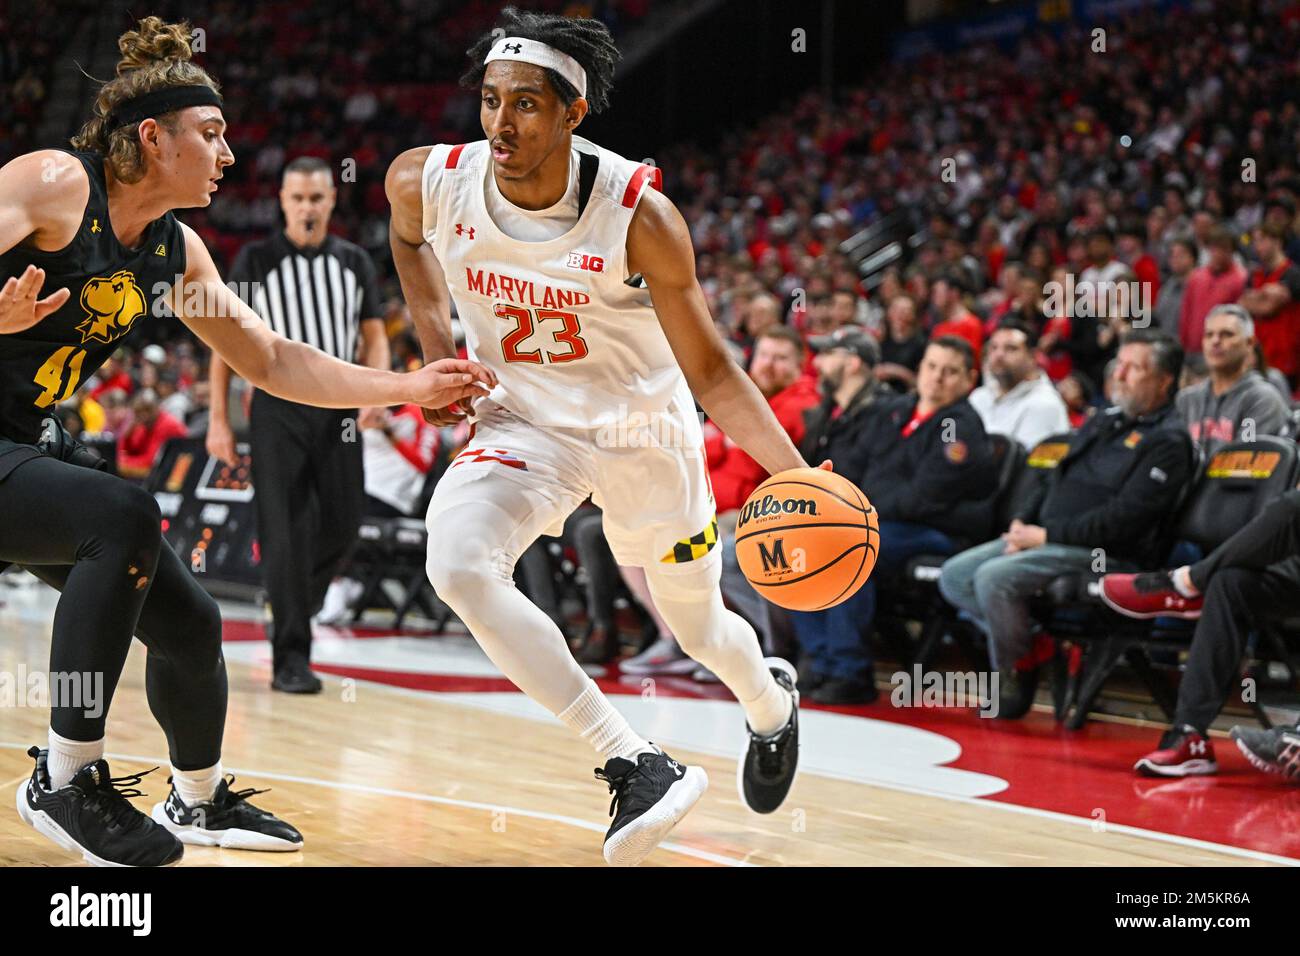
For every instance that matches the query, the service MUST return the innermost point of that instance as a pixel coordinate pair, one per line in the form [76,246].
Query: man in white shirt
[1017,399]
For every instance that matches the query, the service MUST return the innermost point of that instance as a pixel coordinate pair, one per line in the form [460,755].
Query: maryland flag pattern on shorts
[696,546]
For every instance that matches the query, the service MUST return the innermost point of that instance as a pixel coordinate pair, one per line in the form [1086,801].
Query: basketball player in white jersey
[574,280]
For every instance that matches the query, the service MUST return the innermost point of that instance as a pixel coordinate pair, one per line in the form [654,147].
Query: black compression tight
[97,539]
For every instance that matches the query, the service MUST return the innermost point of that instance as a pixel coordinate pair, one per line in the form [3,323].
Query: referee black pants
[98,539]
[1250,579]
[308,488]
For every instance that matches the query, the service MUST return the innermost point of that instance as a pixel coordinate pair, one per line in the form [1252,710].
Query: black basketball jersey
[113,289]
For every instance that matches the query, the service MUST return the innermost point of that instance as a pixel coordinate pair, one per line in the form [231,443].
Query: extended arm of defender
[659,247]
[298,372]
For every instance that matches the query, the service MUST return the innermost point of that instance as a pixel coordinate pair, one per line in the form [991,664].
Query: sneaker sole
[1192,768]
[632,844]
[781,664]
[232,839]
[44,824]
[1146,615]
[1259,763]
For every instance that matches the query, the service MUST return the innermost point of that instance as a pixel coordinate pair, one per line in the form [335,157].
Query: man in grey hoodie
[1235,403]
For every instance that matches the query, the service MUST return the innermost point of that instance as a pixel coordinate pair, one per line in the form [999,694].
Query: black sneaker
[650,796]
[768,768]
[92,816]
[1016,690]
[1272,751]
[296,677]
[228,820]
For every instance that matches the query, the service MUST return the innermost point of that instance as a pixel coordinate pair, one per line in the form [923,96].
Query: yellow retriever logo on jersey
[112,304]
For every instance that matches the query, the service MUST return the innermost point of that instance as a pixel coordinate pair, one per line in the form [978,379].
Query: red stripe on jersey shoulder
[634,184]
[454,156]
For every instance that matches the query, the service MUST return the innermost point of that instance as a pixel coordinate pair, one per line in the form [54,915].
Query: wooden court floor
[377,776]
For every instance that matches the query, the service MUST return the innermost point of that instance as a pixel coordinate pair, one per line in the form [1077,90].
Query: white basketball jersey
[573,345]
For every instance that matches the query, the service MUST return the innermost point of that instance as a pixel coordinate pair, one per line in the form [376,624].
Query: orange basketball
[807,539]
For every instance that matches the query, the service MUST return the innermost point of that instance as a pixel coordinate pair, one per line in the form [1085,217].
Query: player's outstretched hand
[450,380]
[19,307]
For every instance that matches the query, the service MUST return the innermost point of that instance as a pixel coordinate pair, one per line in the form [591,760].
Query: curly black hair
[587,41]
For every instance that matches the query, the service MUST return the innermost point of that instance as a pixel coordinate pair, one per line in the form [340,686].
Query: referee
[315,288]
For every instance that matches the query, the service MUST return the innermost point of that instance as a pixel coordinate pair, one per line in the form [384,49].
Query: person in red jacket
[777,370]
[139,447]
[1272,297]
[947,297]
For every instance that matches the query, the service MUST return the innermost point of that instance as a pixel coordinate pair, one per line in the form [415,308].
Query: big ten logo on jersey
[112,304]
[586,262]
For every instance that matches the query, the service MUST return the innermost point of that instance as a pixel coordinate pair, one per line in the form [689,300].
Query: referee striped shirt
[318,295]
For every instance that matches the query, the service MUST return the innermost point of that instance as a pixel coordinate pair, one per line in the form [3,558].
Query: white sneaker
[661,657]
[337,606]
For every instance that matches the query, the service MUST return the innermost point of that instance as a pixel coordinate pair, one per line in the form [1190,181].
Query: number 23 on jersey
[568,336]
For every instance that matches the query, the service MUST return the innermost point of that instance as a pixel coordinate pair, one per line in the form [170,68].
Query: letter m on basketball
[774,558]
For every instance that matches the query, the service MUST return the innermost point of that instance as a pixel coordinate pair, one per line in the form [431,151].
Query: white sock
[770,710]
[69,756]
[1182,578]
[197,786]
[597,722]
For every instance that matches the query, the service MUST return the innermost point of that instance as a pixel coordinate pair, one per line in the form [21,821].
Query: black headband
[157,102]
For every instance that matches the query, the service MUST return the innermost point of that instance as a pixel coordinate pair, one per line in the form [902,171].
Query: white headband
[539,54]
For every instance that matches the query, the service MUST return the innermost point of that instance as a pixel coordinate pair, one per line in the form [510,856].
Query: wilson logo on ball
[769,505]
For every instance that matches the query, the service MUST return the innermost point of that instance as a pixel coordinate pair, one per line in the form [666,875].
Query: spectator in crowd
[1234,401]
[1271,375]
[953,318]
[117,412]
[1113,490]
[1272,297]
[89,412]
[929,471]
[113,375]
[1138,262]
[1077,393]
[151,428]
[1249,580]
[1169,303]
[844,308]
[171,399]
[845,363]
[903,344]
[1017,399]
[1219,281]
[1195,370]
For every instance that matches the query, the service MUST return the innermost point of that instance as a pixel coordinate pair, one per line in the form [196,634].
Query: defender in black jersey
[94,229]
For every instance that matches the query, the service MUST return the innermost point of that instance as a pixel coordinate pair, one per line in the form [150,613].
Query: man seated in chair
[1104,504]
[1250,579]
[929,472]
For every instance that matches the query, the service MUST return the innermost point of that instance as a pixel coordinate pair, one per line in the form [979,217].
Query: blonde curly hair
[155,56]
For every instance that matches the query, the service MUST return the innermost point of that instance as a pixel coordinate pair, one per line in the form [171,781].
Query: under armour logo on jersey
[512,48]
[582,260]
[462,230]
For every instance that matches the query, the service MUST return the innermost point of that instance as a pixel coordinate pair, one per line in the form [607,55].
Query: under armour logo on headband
[522,49]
